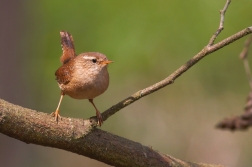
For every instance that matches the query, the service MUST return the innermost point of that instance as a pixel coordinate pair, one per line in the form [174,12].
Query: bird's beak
[106,62]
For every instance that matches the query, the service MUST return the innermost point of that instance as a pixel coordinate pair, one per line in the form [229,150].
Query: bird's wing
[67,44]
[64,74]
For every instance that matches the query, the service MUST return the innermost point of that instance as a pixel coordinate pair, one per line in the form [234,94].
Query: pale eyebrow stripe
[88,57]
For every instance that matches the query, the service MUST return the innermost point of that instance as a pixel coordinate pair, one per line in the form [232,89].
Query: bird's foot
[56,115]
[99,118]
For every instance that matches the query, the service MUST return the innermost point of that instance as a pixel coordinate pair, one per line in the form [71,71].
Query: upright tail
[67,44]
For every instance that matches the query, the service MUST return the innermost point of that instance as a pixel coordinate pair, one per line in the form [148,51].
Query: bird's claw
[56,115]
[99,118]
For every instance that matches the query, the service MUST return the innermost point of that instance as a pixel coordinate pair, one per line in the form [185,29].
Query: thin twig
[221,26]
[243,121]
[248,72]
[244,52]
[170,79]
[244,57]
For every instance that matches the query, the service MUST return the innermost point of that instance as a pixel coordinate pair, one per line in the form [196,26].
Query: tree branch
[243,121]
[221,26]
[170,79]
[78,136]
[244,57]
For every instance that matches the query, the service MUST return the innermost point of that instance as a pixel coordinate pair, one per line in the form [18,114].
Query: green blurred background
[147,40]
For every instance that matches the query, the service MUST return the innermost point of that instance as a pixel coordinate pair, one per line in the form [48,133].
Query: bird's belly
[84,90]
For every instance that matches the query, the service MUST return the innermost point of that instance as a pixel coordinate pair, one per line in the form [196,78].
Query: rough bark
[81,137]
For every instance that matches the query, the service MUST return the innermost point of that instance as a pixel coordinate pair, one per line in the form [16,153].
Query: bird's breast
[87,84]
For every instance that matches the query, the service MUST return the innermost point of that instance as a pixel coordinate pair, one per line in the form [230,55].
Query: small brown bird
[81,77]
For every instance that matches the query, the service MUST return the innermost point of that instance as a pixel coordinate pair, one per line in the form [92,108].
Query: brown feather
[64,73]
[67,44]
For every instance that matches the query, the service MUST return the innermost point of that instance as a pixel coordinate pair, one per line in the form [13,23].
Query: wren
[81,77]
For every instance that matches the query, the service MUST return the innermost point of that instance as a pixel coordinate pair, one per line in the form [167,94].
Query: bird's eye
[94,60]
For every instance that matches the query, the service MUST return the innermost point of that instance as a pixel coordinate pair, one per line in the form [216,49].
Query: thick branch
[78,136]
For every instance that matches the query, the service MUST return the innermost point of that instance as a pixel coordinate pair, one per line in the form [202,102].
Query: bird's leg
[56,113]
[98,114]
